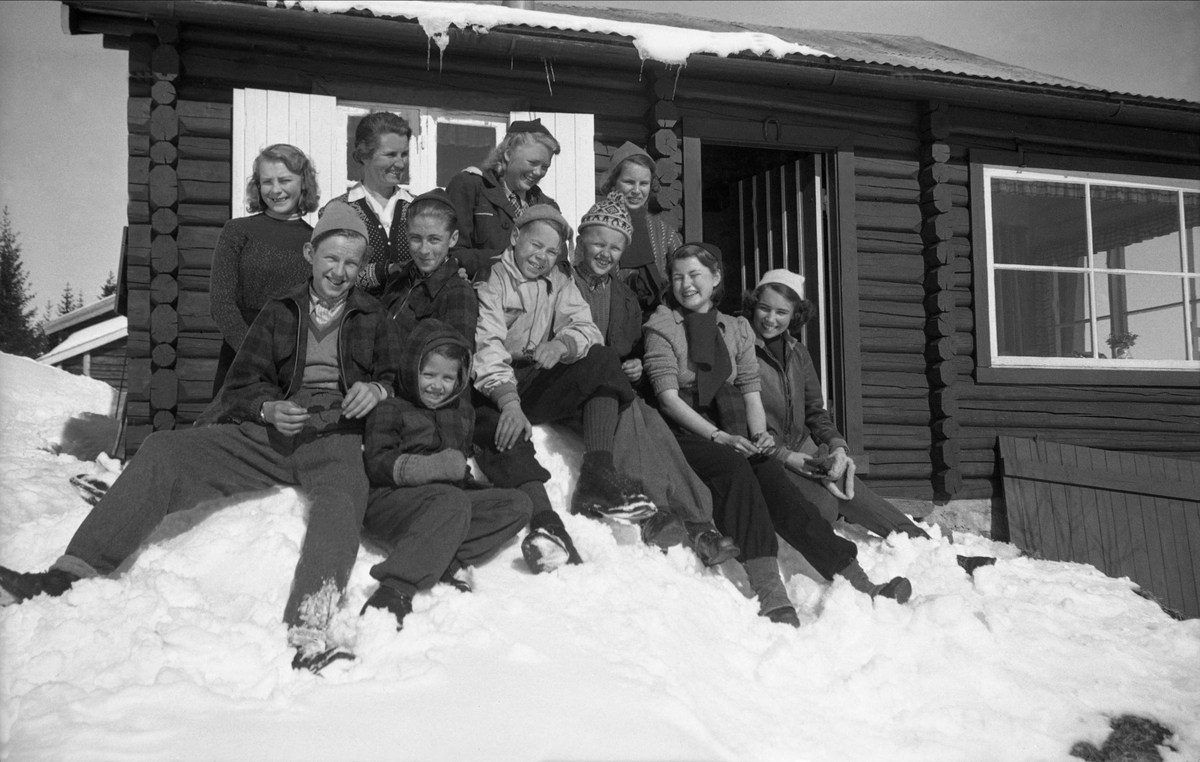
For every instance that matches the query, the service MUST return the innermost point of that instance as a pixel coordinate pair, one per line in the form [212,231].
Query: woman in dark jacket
[808,443]
[488,200]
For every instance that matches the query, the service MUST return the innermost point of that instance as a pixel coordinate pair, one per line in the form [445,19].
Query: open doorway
[765,209]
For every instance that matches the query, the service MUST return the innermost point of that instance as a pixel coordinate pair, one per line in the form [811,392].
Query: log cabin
[993,251]
[90,341]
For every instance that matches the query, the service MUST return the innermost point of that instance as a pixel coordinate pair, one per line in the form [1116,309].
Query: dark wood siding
[1127,514]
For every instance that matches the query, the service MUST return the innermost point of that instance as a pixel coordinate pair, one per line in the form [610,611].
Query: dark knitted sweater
[256,258]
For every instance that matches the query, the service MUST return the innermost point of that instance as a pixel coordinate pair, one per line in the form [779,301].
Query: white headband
[784,278]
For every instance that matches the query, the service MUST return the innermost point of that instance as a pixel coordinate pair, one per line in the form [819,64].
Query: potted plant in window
[1122,343]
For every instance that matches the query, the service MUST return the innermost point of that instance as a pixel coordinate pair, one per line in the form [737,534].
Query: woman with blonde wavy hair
[488,200]
[259,256]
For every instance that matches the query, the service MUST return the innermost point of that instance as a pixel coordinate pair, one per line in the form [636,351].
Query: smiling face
[634,185]
[693,284]
[279,188]
[772,314]
[601,248]
[387,166]
[527,165]
[535,248]
[437,380]
[430,240]
[335,262]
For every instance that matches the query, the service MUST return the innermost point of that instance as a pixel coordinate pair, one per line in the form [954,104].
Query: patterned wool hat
[784,278]
[610,213]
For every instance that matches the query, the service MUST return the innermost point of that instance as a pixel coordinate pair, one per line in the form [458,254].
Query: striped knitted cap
[610,213]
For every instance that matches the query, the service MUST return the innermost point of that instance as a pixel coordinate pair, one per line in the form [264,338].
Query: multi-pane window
[444,142]
[1090,270]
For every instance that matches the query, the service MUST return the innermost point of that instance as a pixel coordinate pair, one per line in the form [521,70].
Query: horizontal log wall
[179,169]
[1145,419]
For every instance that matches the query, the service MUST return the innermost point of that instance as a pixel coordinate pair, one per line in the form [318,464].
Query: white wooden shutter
[571,180]
[309,122]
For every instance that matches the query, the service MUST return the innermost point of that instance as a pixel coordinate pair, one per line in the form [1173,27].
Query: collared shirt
[385,212]
[322,312]
[520,203]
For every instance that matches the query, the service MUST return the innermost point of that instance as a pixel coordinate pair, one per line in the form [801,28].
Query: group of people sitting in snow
[368,358]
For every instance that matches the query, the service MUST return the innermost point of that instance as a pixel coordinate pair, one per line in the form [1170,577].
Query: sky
[63,149]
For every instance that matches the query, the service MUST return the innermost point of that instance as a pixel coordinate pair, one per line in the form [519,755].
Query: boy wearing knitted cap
[315,362]
[646,449]
[540,358]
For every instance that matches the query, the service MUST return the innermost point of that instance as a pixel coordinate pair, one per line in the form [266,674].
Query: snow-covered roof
[92,311]
[87,339]
[672,38]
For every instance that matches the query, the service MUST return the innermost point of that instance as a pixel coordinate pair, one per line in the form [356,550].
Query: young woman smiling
[489,200]
[796,415]
[644,266]
[702,367]
[259,256]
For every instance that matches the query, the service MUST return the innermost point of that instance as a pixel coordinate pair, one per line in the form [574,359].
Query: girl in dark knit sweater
[261,256]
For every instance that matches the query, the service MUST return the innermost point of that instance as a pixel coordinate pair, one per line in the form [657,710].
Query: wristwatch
[713,436]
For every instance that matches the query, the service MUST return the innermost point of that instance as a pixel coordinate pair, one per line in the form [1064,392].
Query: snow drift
[634,655]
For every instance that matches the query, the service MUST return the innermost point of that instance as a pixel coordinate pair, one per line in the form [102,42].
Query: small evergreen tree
[19,331]
[110,286]
[69,301]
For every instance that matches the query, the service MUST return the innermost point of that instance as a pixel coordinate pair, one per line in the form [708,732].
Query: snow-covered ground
[633,655]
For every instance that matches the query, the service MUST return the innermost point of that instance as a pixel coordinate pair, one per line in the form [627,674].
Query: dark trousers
[739,509]
[430,528]
[866,509]
[800,523]
[175,470]
[546,396]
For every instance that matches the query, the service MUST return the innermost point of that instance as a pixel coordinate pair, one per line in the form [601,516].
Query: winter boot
[390,599]
[773,601]
[711,548]
[971,563]
[18,587]
[898,589]
[602,491]
[664,529]
[452,577]
[318,660]
[548,546]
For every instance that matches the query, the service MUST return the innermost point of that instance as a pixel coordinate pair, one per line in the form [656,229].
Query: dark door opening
[765,209]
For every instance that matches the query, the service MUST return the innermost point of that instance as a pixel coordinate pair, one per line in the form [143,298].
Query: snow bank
[670,45]
[634,655]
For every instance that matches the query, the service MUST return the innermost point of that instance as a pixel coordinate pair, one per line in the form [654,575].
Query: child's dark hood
[428,334]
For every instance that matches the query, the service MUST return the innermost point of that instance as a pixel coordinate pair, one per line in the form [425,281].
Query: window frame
[989,367]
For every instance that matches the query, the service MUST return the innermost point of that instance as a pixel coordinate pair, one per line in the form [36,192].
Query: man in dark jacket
[314,363]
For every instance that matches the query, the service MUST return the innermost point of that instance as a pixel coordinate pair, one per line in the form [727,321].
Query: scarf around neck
[640,252]
[706,349]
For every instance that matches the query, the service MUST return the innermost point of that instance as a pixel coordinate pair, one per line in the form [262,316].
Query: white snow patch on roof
[87,339]
[667,44]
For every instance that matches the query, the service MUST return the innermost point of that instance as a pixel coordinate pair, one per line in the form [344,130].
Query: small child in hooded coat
[423,504]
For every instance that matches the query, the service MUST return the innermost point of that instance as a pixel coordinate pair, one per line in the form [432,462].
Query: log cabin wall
[929,428]
[180,125]
[1141,416]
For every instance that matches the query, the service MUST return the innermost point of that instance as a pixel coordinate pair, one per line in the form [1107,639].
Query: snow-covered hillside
[634,655]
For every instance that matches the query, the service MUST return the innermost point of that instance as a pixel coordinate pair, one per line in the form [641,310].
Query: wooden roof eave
[110,17]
